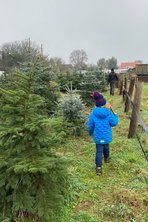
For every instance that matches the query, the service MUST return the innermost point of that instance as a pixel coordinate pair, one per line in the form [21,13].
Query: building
[128,65]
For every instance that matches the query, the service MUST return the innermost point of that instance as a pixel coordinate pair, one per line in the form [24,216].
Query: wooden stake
[136,109]
[125,89]
[121,87]
[130,93]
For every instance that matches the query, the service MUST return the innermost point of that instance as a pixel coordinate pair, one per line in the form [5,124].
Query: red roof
[127,65]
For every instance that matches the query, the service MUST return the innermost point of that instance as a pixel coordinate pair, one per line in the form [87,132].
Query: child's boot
[98,170]
[107,160]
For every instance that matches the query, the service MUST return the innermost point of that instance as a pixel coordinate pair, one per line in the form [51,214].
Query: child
[100,122]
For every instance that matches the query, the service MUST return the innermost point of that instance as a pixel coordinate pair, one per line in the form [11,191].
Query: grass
[120,193]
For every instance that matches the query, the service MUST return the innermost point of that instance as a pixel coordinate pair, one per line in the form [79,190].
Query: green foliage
[44,83]
[33,179]
[24,55]
[85,82]
[73,111]
[65,79]
[83,217]
[46,87]
[76,186]
[92,81]
[121,210]
[6,80]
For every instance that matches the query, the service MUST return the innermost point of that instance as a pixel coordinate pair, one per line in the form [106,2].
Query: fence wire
[142,124]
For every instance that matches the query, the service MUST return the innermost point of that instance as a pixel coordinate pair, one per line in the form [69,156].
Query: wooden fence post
[130,93]
[121,86]
[125,88]
[136,109]
[125,83]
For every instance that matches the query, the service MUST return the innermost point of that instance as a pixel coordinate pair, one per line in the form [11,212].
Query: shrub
[73,111]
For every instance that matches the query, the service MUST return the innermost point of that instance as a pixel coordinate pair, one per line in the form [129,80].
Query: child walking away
[101,121]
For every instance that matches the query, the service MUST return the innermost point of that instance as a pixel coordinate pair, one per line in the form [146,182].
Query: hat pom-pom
[96,95]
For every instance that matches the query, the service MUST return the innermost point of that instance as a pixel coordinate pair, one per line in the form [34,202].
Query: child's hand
[87,111]
[110,104]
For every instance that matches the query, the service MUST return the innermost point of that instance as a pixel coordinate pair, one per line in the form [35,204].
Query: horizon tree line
[15,53]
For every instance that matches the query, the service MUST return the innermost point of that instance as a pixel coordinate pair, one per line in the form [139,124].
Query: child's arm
[91,125]
[113,119]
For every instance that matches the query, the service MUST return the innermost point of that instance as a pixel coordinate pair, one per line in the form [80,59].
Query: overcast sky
[103,28]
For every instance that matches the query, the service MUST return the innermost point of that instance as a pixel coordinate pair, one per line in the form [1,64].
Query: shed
[142,72]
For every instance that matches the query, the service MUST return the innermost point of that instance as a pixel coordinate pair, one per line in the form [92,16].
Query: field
[120,193]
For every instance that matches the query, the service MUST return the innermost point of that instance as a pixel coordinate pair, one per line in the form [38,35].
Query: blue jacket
[100,122]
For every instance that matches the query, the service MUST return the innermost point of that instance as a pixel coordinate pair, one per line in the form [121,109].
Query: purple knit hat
[99,99]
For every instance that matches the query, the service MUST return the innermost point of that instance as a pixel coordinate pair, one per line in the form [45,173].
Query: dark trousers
[101,150]
[112,88]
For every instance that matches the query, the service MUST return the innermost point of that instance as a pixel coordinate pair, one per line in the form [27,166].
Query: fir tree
[73,111]
[65,79]
[43,83]
[92,81]
[33,179]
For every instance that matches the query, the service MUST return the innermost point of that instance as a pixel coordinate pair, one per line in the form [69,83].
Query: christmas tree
[94,80]
[33,179]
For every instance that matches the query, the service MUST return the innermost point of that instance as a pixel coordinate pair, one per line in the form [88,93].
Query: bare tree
[101,63]
[15,53]
[112,63]
[78,59]
[57,64]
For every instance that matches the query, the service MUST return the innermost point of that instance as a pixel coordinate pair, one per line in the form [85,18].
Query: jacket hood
[101,113]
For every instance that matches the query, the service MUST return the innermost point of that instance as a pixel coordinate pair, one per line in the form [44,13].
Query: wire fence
[144,127]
